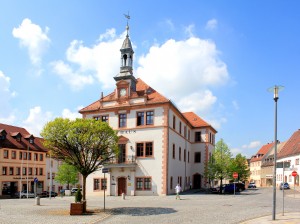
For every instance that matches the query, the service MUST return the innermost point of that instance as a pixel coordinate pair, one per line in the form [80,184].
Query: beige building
[159,145]
[22,161]
[256,163]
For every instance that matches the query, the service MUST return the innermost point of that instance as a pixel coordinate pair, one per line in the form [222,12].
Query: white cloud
[101,61]
[6,94]
[252,145]
[66,113]
[216,122]
[32,37]
[36,120]
[74,79]
[211,24]
[185,71]
[189,30]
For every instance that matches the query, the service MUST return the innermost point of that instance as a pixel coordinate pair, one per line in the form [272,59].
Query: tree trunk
[83,187]
[221,186]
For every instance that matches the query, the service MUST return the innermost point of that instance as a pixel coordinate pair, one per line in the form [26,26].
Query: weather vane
[127,17]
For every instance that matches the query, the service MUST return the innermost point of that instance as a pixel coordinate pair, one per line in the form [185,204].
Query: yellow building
[22,161]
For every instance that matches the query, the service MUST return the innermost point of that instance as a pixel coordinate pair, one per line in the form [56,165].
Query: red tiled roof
[292,146]
[11,142]
[141,89]
[196,121]
[261,152]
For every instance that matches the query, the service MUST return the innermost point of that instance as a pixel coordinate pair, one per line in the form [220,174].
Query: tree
[239,165]
[86,144]
[67,174]
[219,163]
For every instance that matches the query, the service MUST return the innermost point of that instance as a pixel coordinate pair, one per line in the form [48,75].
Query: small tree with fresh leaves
[86,144]
[67,174]
[219,163]
[239,164]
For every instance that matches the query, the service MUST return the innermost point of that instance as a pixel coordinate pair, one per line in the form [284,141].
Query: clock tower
[125,80]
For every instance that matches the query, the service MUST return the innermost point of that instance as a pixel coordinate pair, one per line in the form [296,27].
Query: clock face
[122,92]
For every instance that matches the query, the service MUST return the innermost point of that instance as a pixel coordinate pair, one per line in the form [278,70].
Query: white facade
[286,174]
[159,145]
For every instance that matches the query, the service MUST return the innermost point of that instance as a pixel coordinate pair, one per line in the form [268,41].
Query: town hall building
[159,145]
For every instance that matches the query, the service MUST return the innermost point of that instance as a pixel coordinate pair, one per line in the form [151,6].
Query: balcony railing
[122,161]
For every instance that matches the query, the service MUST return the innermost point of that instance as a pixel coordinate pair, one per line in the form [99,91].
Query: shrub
[78,196]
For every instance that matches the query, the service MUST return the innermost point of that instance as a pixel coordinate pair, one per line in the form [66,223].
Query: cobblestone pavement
[251,206]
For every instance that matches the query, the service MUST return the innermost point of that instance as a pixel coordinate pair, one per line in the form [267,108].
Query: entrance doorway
[121,185]
[197,181]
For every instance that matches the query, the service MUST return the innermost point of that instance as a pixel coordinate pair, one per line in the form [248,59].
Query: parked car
[23,194]
[240,186]
[229,188]
[45,194]
[284,185]
[251,185]
[74,190]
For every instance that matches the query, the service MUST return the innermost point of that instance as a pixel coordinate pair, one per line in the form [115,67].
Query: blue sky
[216,58]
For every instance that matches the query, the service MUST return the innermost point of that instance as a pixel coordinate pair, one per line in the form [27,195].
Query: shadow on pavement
[136,211]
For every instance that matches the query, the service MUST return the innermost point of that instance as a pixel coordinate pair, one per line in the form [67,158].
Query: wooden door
[121,186]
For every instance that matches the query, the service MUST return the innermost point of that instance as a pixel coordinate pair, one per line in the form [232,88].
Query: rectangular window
[174,122]
[173,151]
[96,184]
[5,154]
[36,171]
[104,118]
[139,149]
[140,118]
[143,184]
[18,172]
[297,162]
[149,149]
[198,136]
[180,127]
[41,157]
[11,171]
[188,157]
[171,183]
[149,117]
[30,171]
[35,157]
[20,155]
[41,171]
[197,157]
[103,184]
[179,153]
[184,131]
[122,120]
[25,155]
[13,154]
[29,156]
[144,149]
[184,156]
[4,170]
[189,134]
[24,171]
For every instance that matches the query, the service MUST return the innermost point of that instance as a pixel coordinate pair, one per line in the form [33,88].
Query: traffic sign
[36,180]
[235,175]
[294,173]
[105,170]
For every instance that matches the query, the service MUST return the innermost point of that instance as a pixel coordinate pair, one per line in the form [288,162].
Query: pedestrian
[190,185]
[177,190]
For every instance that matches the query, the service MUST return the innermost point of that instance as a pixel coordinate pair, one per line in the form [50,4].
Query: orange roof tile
[141,89]
[196,121]
[261,152]
[11,142]
[292,146]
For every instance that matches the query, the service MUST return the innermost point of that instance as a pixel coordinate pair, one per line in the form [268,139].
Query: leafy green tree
[239,165]
[86,144]
[67,174]
[219,164]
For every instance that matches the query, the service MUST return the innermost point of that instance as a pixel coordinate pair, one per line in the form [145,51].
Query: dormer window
[3,134]
[30,138]
[16,135]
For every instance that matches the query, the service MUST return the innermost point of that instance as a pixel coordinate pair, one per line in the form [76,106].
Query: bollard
[123,196]
[37,200]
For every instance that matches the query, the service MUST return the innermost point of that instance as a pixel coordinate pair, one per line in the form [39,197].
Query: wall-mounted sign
[127,132]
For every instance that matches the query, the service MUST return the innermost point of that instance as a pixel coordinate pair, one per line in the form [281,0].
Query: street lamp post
[275,89]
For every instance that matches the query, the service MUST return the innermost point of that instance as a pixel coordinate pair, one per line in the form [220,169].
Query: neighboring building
[22,159]
[289,158]
[256,162]
[267,167]
[159,145]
